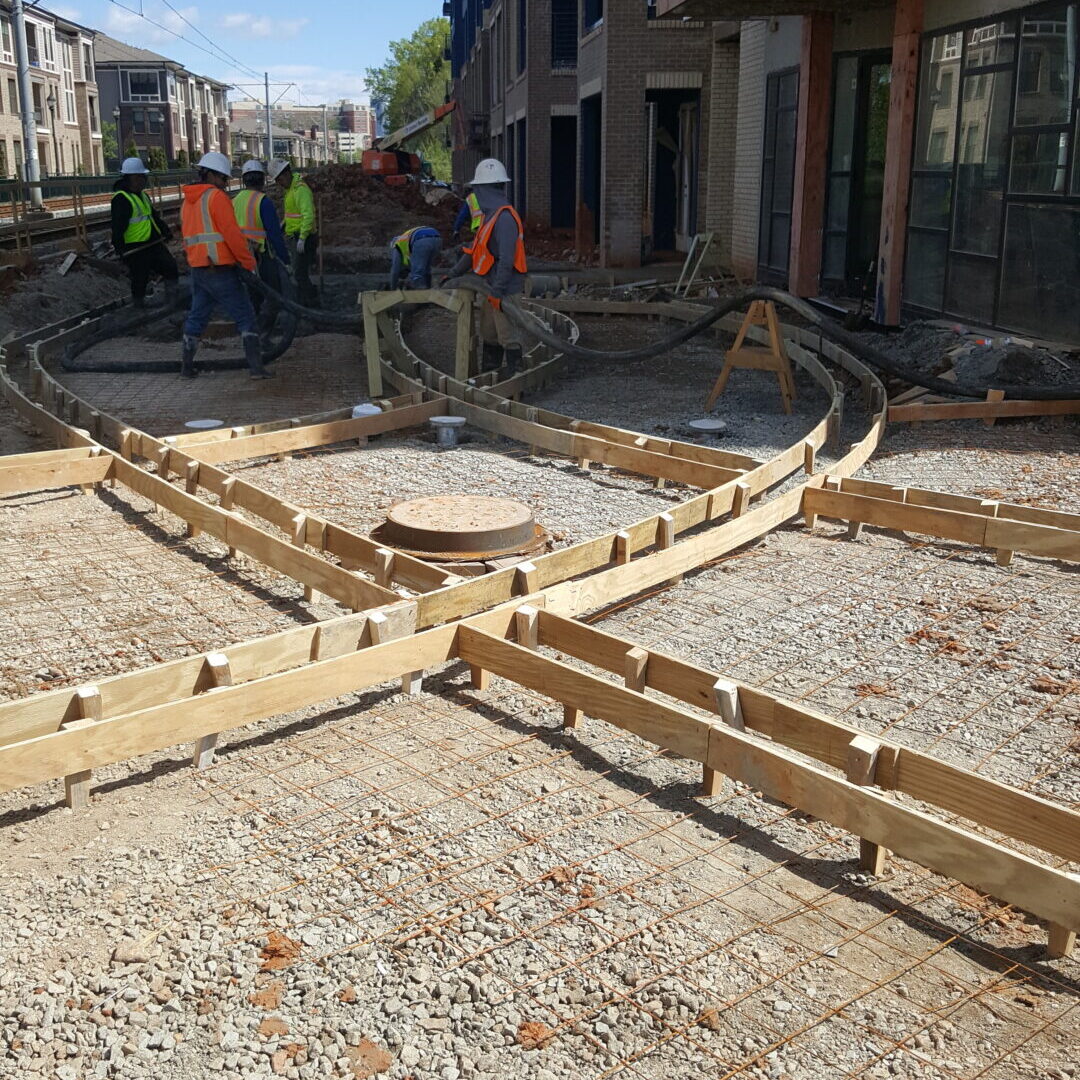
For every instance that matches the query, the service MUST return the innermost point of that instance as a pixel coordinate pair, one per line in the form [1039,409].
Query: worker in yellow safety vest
[300,227]
[139,233]
[413,253]
[497,255]
[259,222]
[470,214]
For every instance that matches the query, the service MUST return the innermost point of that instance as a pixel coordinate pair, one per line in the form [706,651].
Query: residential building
[157,104]
[249,141]
[604,116]
[342,115]
[924,152]
[66,108]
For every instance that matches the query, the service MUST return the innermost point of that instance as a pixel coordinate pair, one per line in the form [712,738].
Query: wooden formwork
[501,622]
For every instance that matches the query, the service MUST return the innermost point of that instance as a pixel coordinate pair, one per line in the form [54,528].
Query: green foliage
[131,150]
[156,160]
[110,149]
[411,82]
[181,159]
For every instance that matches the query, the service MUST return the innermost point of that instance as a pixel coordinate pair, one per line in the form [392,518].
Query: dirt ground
[449,885]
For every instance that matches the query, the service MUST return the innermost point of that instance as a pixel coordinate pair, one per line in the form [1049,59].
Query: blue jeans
[218,286]
[421,256]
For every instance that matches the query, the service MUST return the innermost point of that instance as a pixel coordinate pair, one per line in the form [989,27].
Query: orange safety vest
[482,259]
[203,243]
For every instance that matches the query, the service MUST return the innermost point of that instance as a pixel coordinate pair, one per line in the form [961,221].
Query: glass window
[992,44]
[1040,163]
[1046,71]
[980,174]
[924,281]
[970,288]
[6,47]
[1042,268]
[144,85]
[931,201]
[936,128]
[847,86]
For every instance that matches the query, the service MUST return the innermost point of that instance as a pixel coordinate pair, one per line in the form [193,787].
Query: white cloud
[135,30]
[262,26]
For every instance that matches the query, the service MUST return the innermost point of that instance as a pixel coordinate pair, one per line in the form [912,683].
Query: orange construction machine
[387,160]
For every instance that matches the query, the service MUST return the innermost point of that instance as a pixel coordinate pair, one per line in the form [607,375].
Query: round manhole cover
[460,524]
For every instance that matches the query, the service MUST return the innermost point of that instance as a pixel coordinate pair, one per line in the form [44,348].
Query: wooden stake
[571,718]
[1061,940]
[526,579]
[481,679]
[993,395]
[741,498]
[665,538]
[299,539]
[191,486]
[622,548]
[384,567]
[77,784]
[729,708]
[228,496]
[862,759]
[220,672]
[635,666]
[527,626]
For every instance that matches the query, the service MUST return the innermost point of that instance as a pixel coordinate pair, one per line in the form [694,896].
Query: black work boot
[253,356]
[512,358]
[187,357]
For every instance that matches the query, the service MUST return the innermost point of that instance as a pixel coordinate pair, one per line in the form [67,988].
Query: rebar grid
[928,644]
[682,924]
[89,589]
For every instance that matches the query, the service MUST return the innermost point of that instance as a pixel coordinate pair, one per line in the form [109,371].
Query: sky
[321,47]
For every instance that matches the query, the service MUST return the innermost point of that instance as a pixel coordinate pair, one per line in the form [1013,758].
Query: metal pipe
[29,123]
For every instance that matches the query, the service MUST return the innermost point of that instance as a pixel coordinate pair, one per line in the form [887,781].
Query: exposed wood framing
[981,410]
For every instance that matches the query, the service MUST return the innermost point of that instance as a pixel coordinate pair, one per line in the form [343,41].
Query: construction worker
[414,251]
[139,234]
[215,249]
[259,222]
[470,214]
[299,227]
[497,255]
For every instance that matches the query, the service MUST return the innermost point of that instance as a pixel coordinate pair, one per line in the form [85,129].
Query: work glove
[300,246]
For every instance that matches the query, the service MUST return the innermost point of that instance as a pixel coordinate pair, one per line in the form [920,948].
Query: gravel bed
[92,586]
[659,396]
[356,486]
[405,888]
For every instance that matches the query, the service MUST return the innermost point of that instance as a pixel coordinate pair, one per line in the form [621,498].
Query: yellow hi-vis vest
[404,244]
[141,226]
[474,209]
[248,208]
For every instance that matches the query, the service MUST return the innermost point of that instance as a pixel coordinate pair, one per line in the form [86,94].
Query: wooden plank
[20,479]
[1032,539]
[978,410]
[219,674]
[862,758]
[652,720]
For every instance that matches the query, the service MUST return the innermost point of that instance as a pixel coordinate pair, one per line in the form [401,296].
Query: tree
[414,80]
[156,160]
[181,159]
[110,148]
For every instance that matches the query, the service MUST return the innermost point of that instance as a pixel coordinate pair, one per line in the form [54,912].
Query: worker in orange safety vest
[216,248]
[497,254]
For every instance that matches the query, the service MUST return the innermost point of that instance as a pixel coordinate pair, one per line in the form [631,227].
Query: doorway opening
[672,148]
[563,171]
[778,175]
[592,149]
[856,170]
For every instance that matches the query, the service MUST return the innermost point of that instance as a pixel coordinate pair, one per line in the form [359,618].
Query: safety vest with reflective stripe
[299,209]
[474,209]
[203,244]
[482,259]
[142,224]
[248,207]
[404,242]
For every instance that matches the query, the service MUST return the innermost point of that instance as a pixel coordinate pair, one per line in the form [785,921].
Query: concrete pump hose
[530,324]
[113,327]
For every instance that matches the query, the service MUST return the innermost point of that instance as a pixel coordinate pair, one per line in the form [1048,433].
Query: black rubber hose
[341,320]
[113,325]
[829,328]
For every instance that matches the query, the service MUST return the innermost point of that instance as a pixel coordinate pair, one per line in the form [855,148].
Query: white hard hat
[216,162]
[490,171]
[277,168]
[133,166]
[251,166]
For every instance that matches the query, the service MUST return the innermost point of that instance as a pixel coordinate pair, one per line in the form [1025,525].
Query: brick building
[157,103]
[65,96]
[606,117]
[925,151]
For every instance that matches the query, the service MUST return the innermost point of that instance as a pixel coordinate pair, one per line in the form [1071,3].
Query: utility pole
[26,96]
[269,124]
[325,138]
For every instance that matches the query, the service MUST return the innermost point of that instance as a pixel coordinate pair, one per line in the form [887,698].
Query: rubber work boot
[187,357]
[512,359]
[253,356]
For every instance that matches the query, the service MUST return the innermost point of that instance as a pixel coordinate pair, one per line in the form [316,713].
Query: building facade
[923,153]
[158,105]
[249,141]
[66,104]
[605,116]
